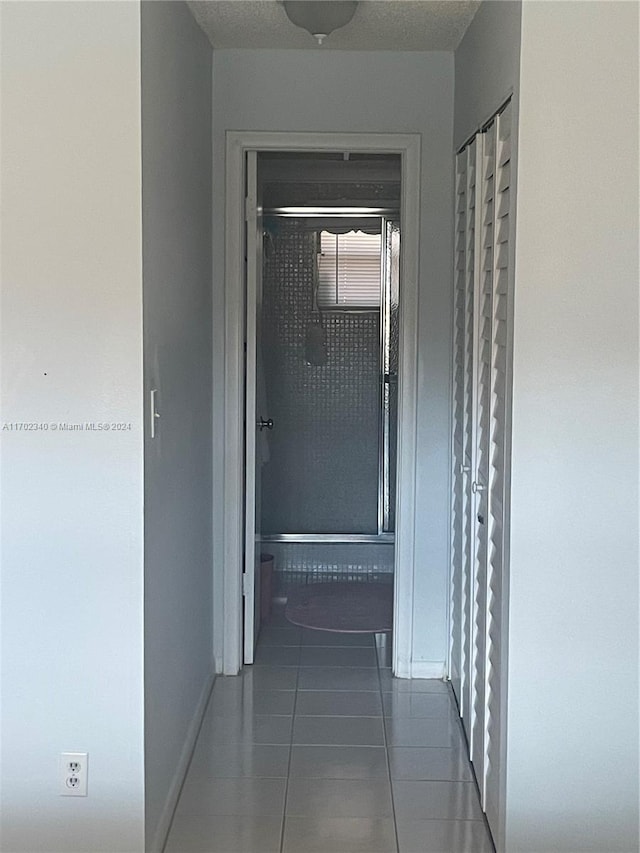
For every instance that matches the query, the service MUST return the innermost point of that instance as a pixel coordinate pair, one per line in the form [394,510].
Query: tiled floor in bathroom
[317,749]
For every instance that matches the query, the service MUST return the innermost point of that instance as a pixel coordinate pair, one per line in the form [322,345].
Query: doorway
[376,527]
[326,387]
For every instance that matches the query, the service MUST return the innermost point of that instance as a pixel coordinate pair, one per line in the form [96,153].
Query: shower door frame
[388,217]
[407,146]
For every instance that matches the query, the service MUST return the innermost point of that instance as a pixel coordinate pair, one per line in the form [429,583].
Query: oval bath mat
[345,607]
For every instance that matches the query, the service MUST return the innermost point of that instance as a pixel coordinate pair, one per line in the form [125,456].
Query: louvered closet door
[483,309]
[473,153]
[481,438]
[462,443]
[457,474]
[496,636]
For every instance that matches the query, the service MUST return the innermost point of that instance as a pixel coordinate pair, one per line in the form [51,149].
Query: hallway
[317,749]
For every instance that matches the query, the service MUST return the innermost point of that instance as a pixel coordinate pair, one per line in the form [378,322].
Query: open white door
[254,417]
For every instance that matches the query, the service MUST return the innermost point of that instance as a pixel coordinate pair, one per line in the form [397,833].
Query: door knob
[477,487]
[262,424]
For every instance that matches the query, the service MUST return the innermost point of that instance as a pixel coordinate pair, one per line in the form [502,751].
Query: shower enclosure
[329,469]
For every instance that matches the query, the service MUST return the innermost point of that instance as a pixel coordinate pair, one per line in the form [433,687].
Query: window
[349,270]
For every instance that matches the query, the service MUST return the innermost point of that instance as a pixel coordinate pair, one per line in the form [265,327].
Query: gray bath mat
[345,607]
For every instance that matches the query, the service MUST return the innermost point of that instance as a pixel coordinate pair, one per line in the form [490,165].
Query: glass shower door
[322,475]
[332,454]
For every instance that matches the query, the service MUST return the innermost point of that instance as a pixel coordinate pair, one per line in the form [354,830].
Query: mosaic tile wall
[322,475]
[301,562]
[372,194]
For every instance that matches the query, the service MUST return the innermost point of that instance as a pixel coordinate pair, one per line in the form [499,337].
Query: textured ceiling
[376,25]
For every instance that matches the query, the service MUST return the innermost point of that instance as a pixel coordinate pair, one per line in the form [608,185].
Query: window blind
[349,270]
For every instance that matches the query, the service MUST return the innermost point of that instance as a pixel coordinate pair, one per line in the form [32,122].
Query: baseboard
[428,669]
[164,823]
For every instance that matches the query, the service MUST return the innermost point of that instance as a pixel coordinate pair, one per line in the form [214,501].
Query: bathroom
[328,381]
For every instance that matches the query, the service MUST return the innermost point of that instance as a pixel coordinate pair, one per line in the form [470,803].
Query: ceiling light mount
[320,18]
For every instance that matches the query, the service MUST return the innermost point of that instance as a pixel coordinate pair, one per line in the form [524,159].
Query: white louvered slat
[504,151]
[504,176]
[503,204]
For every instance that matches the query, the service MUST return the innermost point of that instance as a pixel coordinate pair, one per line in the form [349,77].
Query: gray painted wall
[176,240]
[368,92]
[572,782]
[487,65]
[72,517]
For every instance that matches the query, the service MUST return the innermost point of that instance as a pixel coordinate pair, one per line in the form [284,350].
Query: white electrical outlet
[74,770]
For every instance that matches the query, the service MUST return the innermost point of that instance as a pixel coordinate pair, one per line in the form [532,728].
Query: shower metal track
[333,212]
[373,538]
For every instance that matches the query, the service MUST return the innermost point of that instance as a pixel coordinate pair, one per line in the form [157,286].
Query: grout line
[386,749]
[286,785]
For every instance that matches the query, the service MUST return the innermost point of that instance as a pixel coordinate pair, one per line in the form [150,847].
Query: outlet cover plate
[74,773]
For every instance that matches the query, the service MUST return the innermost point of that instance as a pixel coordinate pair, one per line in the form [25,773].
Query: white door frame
[408,147]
